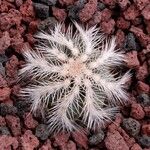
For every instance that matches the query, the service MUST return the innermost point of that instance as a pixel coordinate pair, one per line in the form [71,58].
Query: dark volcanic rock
[144,141]
[144,99]
[96,138]
[131,126]
[7,109]
[130,43]
[42,131]
[42,11]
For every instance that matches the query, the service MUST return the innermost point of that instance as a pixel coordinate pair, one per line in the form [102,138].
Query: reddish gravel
[129,20]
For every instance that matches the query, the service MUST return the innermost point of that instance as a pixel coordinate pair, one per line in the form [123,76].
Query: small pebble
[100,6]
[14,124]
[73,12]
[137,111]
[114,141]
[96,138]
[42,131]
[60,14]
[144,99]
[29,121]
[146,129]
[146,12]
[87,12]
[132,59]
[22,106]
[61,140]
[42,11]
[47,24]
[130,43]
[144,141]
[142,87]
[132,126]
[29,141]
[4,131]
[18,2]
[142,72]
[7,109]
[131,13]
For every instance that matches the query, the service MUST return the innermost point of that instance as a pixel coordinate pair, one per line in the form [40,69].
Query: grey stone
[42,131]
[96,138]
[144,99]
[42,11]
[6,109]
[144,141]
[132,126]
[4,131]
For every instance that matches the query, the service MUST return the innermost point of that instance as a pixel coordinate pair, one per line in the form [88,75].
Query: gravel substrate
[128,20]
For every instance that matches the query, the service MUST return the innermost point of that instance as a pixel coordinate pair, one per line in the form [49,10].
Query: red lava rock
[131,13]
[5,6]
[114,141]
[18,2]
[129,141]
[142,72]
[14,124]
[95,19]
[4,93]
[106,14]
[136,147]
[87,12]
[122,23]
[61,140]
[100,16]
[46,146]
[4,42]
[30,39]
[17,41]
[147,22]
[114,125]
[142,87]
[60,14]
[146,12]
[142,56]
[137,21]
[137,111]
[120,37]
[110,3]
[29,122]
[33,26]
[8,102]
[7,20]
[108,26]
[143,38]
[29,141]
[81,139]
[2,121]
[16,89]
[141,3]
[66,2]
[147,111]
[3,82]
[8,142]
[12,66]
[27,11]
[132,59]
[71,145]
[146,129]
[123,3]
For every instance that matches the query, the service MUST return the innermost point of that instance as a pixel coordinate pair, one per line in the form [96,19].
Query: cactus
[74,77]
